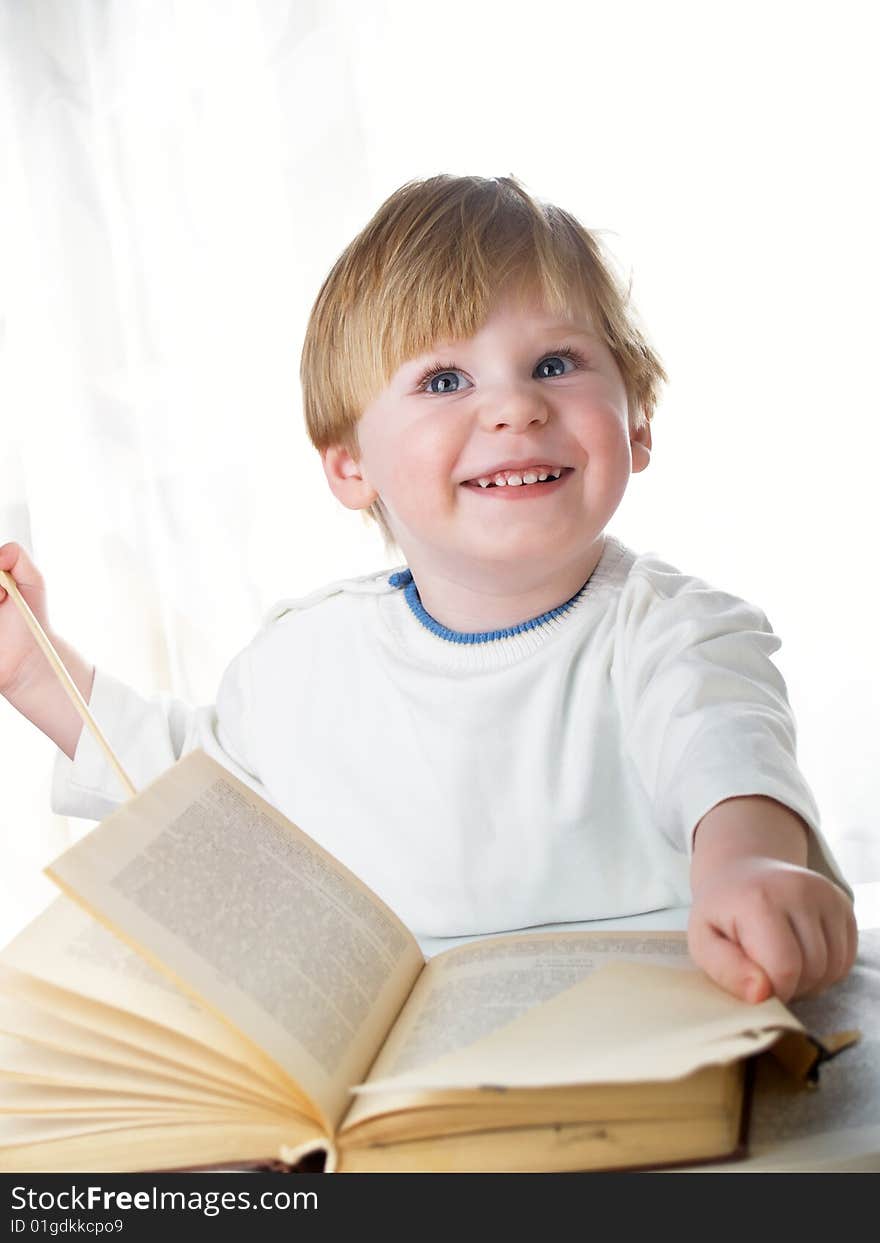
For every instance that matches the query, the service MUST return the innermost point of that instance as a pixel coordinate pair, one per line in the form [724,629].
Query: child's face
[509,394]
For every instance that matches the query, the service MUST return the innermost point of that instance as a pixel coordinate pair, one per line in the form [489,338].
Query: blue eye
[551,358]
[442,372]
[446,371]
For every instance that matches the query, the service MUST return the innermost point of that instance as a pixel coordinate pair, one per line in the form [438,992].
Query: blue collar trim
[404,578]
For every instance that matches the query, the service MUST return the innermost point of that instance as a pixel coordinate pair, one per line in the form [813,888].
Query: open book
[214,989]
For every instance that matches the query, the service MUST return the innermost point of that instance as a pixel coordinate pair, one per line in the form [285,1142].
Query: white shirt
[548,773]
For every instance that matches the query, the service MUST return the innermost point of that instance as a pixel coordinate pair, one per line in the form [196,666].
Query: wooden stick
[66,680]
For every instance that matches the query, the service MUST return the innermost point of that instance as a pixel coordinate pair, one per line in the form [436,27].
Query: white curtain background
[177,178]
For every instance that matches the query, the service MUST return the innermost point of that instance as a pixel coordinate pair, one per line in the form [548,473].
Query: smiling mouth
[514,491]
[548,479]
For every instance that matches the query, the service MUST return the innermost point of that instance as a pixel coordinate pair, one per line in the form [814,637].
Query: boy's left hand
[761,926]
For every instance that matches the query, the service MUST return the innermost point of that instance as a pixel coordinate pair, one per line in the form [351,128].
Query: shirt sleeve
[148,735]
[705,710]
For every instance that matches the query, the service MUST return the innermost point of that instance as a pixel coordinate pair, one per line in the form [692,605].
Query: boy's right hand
[20,653]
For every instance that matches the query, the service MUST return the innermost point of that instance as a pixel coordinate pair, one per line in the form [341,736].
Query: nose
[515,407]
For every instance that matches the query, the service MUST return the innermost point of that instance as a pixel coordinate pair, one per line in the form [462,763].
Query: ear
[640,442]
[346,478]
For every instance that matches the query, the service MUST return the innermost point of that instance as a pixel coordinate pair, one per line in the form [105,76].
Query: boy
[526,723]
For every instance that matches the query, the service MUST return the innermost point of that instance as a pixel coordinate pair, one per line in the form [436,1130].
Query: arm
[27,679]
[39,695]
[713,739]
[761,921]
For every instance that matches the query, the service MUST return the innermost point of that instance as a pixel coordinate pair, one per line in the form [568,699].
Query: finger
[16,561]
[726,963]
[835,970]
[8,555]
[840,929]
[811,935]
[852,939]
[836,935]
[843,940]
[770,941]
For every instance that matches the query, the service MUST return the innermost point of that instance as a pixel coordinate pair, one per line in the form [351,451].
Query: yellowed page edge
[143,1034]
[24,1097]
[609,1145]
[22,1060]
[149,1147]
[704,1094]
[29,1023]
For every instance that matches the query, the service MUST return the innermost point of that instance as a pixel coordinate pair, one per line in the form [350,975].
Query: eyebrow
[574,330]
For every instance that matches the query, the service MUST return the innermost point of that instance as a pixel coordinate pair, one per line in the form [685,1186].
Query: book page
[215,886]
[465,993]
[87,1144]
[63,1007]
[15,1131]
[26,1099]
[626,1023]
[26,1062]
[27,1022]
[553,1009]
[65,948]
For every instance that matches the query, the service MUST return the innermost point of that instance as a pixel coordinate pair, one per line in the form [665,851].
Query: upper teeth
[514,478]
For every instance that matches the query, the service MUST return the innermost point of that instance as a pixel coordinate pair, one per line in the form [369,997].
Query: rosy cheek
[608,432]
[407,486]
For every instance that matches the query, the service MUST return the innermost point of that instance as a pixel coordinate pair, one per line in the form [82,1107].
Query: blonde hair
[431,265]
